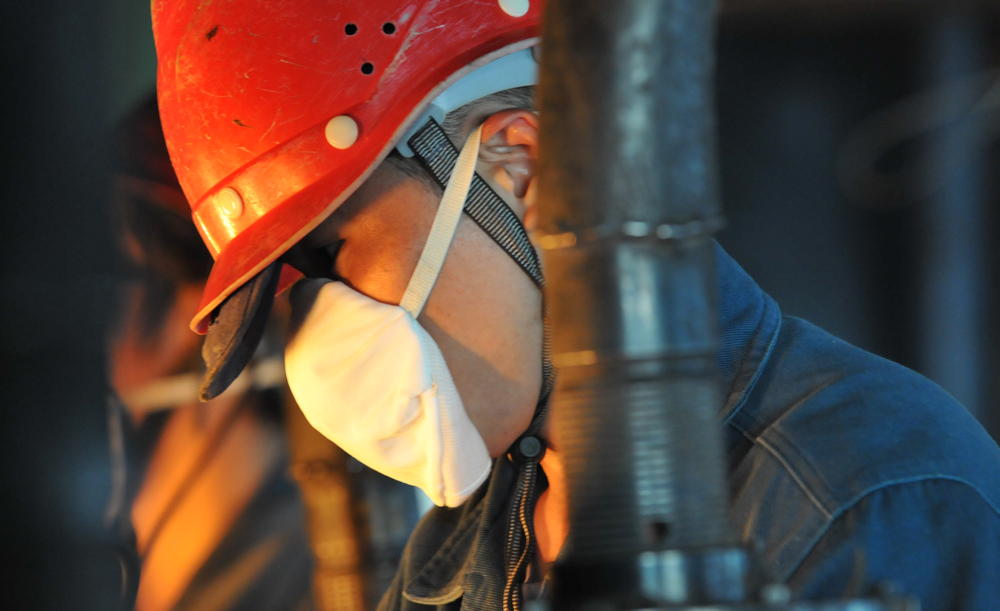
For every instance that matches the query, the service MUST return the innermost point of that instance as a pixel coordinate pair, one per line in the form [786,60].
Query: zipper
[520,536]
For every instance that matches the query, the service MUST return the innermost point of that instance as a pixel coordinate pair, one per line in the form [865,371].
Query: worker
[337,140]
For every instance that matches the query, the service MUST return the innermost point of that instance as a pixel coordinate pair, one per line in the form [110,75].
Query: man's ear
[507,160]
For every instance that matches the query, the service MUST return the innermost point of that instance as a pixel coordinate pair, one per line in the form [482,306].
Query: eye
[332,250]
[331,253]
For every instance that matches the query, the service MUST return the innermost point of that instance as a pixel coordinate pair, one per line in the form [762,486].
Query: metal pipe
[629,201]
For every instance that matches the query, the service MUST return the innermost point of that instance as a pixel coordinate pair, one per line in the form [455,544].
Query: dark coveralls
[845,470]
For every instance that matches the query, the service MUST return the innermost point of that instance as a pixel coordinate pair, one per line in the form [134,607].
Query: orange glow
[135,362]
[208,510]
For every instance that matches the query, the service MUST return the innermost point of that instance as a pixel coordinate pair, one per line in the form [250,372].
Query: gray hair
[460,122]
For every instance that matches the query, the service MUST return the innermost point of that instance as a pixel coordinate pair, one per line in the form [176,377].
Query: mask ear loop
[443,230]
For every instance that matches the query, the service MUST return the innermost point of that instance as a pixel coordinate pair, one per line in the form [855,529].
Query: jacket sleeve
[937,539]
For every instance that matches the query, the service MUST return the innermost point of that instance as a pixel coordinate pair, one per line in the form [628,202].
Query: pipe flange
[634,230]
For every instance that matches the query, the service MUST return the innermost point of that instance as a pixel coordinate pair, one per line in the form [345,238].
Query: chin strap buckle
[527,449]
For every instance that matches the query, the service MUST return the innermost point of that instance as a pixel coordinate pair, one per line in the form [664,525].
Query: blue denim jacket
[845,471]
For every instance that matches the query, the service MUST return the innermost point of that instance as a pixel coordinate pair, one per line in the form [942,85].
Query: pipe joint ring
[634,230]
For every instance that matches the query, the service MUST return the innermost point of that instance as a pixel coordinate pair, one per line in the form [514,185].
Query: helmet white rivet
[341,132]
[230,202]
[514,8]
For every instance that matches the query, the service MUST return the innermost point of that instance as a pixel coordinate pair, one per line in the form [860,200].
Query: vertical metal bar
[954,273]
[629,200]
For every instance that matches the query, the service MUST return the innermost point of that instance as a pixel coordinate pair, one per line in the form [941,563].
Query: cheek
[374,271]
[485,315]
[377,258]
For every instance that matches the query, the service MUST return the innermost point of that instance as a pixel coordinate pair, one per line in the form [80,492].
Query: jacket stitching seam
[440,557]
[878,488]
[752,384]
[795,477]
[775,430]
[450,596]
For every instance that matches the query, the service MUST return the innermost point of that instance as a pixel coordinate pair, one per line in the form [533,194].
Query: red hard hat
[274,113]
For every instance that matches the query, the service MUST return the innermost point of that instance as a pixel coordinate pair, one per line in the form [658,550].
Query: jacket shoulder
[827,424]
[935,539]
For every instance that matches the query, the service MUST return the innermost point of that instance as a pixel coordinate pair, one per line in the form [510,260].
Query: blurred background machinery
[236,503]
[859,155]
[858,151]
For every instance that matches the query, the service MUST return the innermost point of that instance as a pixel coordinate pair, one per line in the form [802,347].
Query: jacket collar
[749,322]
[460,552]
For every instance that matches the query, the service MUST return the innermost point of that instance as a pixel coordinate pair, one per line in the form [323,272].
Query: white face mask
[373,381]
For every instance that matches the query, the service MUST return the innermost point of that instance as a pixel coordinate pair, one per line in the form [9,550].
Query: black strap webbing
[435,151]
[438,155]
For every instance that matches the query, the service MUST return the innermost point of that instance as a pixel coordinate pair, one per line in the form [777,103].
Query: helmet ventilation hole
[367,68]
[350,29]
[389,27]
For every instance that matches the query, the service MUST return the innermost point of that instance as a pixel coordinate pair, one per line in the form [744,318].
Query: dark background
[860,170]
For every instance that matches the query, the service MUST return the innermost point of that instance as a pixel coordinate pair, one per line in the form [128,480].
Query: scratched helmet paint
[274,113]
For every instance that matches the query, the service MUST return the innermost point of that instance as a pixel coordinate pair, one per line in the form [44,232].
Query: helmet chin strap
[434,150]
[466,189]
[443,229]
[456,173]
